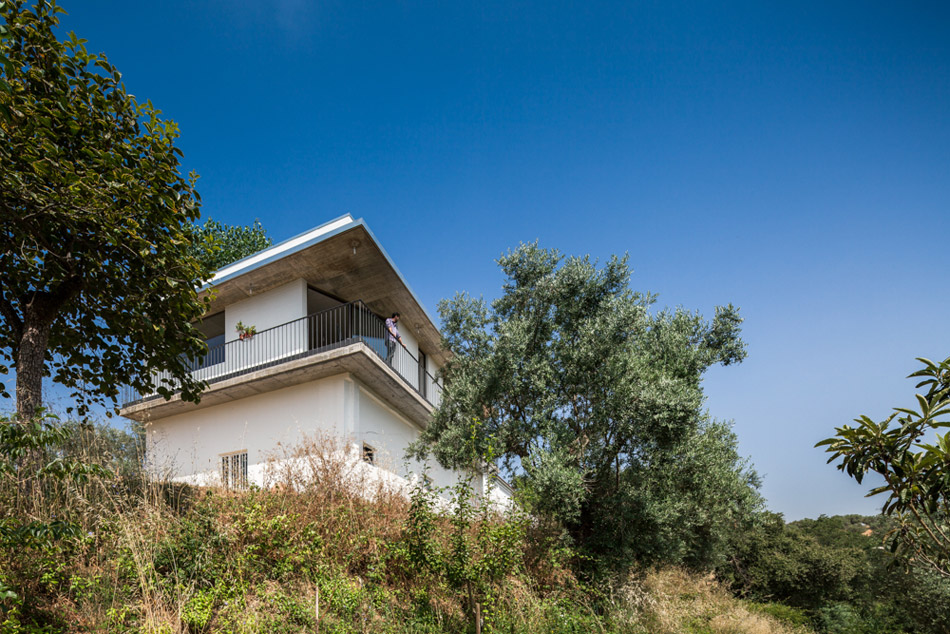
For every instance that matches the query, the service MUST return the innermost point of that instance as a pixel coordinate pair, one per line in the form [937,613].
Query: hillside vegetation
[171,558]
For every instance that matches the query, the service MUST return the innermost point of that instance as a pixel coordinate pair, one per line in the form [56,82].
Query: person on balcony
[392,336]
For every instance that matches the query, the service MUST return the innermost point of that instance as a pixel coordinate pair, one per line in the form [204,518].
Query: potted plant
[245,332]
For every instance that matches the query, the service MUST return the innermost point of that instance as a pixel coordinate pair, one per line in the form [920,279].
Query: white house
[316,363]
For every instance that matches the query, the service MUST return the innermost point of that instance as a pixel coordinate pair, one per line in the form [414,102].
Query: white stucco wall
[265,312]
[390,434]
[499,493]
[273,308]
[409,338]
[190,444]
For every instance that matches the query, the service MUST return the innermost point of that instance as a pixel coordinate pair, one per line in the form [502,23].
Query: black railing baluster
[348,323]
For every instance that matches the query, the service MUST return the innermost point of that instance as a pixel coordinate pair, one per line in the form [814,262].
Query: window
[213,330]
[369,454]
[234,470]
[422,374]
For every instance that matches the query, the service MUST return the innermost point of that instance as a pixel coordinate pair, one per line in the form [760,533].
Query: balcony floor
[357,359]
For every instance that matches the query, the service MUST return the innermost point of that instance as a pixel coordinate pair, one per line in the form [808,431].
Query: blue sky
[792,160]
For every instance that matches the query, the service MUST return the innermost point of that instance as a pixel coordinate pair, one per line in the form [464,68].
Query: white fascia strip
[280,248]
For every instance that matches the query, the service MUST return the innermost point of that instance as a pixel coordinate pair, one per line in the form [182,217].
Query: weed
[156,558]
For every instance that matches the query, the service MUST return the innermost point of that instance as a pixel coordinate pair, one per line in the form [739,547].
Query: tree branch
[66,291]
[9,313]
[44,305]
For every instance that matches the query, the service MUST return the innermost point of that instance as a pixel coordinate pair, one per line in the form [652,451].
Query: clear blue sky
[792,160]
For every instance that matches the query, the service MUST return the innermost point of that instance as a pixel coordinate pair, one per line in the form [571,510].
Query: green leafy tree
[836,570]
[684,504]
[23,480]
[218,244]
[98,276]
[769,560]
[579,389]
[484,546]
[4,86]
[907,450]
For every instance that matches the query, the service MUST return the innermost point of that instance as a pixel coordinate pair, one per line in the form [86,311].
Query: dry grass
[173,559]
[674,601]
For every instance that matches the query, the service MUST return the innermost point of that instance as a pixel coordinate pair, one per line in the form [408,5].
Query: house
[297,347]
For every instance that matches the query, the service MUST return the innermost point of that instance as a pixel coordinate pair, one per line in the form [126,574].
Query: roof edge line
[278,253]
[244,265]
[402,279]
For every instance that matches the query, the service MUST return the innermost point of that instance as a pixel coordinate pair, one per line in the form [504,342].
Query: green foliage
[274,545]
[784,613]
[290,613]
[6,594]
[198,610]
[422,552]
[483,548]
[924,600]
[684,505]
[771,561]
[120,450]
[914,460]
[99,278]
[31,458]
[836,570]
[839,618]
[186,554]
[588,397]
[254,562]
[245,331]
[218,244]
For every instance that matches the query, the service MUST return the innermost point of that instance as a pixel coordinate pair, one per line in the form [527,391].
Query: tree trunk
[30,365]
[39,310]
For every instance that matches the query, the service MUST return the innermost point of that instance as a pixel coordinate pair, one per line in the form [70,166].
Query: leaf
[924,405]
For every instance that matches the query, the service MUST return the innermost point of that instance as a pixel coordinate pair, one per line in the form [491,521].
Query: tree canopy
[914,460]
[218,244]
[98,276]
[594,404]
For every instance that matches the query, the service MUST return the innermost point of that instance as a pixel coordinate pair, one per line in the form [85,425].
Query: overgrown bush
[840,572]
[151,557]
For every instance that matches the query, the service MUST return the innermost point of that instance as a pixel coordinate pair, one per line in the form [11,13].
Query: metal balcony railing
[333,328]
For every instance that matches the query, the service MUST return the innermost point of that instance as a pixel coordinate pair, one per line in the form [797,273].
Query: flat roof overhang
[357,359]
[342,259]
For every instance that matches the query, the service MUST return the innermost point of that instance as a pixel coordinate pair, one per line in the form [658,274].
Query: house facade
[297,349]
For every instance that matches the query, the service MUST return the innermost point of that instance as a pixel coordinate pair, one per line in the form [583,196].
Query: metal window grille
[369,454]
[234,470]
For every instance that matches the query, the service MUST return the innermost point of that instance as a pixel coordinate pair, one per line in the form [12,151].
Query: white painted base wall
[188,447]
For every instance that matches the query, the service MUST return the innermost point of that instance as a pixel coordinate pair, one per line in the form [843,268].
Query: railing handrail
[287,323]
[370,310]
[359,333]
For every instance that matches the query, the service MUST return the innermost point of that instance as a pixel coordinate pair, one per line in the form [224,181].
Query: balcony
[346,338]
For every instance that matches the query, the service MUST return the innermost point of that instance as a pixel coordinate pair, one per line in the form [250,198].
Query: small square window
[234,470]
[369,454]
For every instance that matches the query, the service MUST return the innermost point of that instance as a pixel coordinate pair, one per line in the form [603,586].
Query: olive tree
[594,403]
[98,275]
